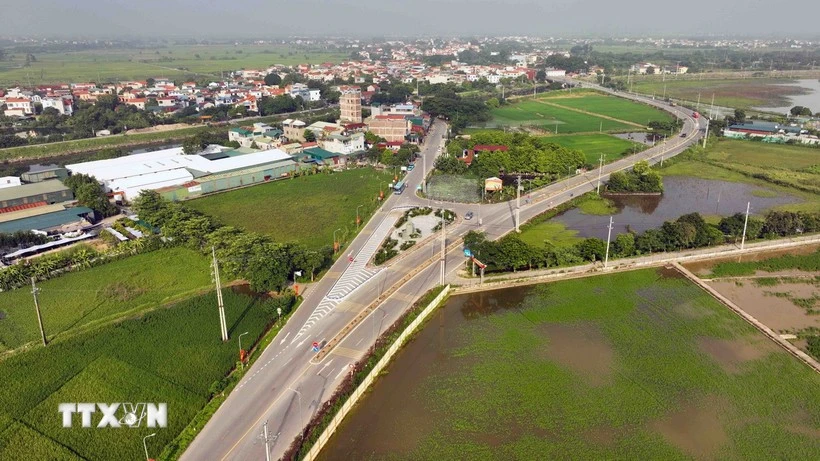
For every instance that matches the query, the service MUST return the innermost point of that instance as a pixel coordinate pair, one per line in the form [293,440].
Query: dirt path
[581,111]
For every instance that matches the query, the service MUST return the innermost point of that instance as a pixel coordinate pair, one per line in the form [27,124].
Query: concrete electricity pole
[608,236]
[745,223]
[600,172]
[706,134]
[34,291]
[223,325]
[443,245]
[517,203]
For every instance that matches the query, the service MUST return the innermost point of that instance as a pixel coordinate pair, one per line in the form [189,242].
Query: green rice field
[593,145]
[173,61]
[102,294]
[306,209]
[609,106]
[633,365]
[172,355]
[551,118]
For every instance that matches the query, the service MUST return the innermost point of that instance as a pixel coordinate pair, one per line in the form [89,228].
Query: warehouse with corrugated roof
[217,168]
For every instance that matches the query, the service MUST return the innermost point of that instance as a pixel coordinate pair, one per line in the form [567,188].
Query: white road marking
[340,373]
[283,339]
[359,341]
[303,342]
[325,366]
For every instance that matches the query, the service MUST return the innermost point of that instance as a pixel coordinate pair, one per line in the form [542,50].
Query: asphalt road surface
[284,387]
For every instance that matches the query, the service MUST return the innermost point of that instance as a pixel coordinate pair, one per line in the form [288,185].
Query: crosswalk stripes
[355,274]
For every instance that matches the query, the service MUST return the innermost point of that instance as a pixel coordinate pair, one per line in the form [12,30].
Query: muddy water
[809,97]
[681,195]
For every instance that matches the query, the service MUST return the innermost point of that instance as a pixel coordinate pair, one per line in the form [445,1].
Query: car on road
[683,135]
[469,215]
[410,167]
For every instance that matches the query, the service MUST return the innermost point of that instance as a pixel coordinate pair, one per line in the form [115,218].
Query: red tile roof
[24,206]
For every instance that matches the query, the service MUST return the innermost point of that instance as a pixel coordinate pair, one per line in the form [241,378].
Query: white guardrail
[371,377]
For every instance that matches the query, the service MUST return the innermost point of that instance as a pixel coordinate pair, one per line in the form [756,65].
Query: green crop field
[634,365]
[740,93]
[609,106]
[593,145]
[169,355]
[802,262]
[174,62]
[101,294]
[306,209]
[788,169]
[546,117]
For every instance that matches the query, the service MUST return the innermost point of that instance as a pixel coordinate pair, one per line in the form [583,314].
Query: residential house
[63,105]
[294,130]
[343,144]
[18,107]
[389,127]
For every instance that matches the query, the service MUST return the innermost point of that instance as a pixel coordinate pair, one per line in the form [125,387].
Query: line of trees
[510,253]
[265,264]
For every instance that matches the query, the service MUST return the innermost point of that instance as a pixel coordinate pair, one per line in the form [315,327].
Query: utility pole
[223,326]
[34,291]
[608,236]
[745,223]
[706,135]
[600,172]
[443,245]
[518,203]
[424,174]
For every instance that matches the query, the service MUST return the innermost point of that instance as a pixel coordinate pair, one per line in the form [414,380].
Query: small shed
[492,184]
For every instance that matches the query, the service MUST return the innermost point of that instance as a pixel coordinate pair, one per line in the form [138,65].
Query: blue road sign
[315,347]
[468,253]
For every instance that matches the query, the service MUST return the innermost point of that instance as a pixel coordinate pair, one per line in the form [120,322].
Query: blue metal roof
[45,221]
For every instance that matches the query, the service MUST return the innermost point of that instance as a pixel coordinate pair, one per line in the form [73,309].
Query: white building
[9,181]
[555,73]
[63,106]
[341,144]
[18,107]
[132,174]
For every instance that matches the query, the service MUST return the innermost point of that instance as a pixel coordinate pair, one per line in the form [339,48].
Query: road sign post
[315,346]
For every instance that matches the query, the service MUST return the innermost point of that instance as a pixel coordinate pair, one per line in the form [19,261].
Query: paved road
[284,388]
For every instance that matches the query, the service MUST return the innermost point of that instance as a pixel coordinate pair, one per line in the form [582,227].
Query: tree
[624,245]
[273,79]
[650,70]
[798,111]
[740,116]
[90,193]
[591,249]
[450,165]
[309,136]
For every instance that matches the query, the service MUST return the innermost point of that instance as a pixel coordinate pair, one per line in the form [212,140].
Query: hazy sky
[277,18]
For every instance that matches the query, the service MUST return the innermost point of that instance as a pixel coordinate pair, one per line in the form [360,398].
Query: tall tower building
[350,104]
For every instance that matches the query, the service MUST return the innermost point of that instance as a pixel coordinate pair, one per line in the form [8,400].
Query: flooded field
[786,300]
[682,194]
[640,365]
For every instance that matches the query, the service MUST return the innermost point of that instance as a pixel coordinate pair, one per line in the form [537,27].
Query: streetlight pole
[145,446]
[240,348]
[600,172]
[335,242]
[357,216]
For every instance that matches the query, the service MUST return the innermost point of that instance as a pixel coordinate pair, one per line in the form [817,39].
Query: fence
[371,377]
